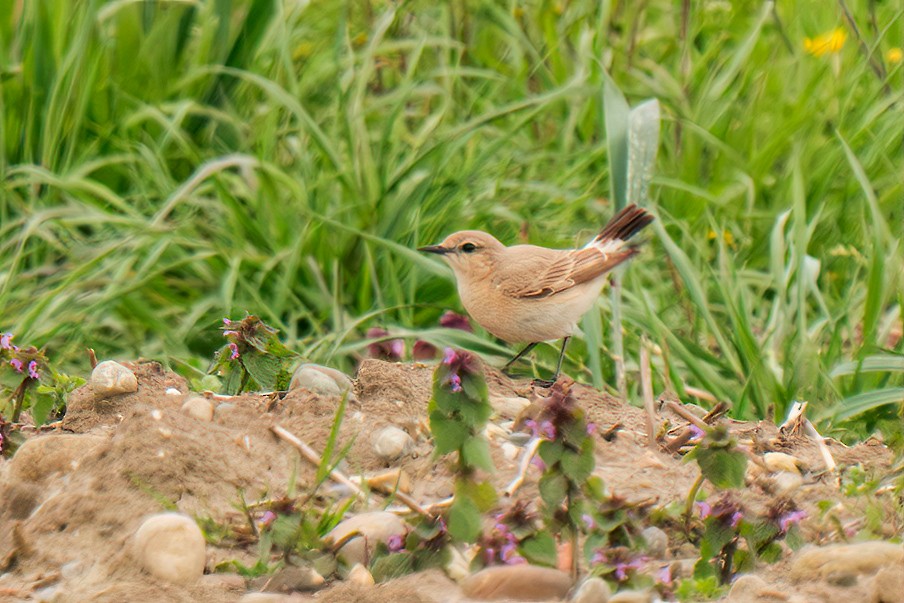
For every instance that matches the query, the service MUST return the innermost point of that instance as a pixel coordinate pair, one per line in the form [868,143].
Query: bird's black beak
[439,249]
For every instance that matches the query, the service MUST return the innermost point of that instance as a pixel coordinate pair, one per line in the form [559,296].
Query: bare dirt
[74,497]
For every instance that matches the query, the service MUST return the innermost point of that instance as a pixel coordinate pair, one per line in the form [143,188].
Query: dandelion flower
[894,55]
[828,43]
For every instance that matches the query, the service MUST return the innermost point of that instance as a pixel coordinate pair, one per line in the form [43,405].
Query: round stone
[199,408]
[390,443]
[109,378]
[170,546]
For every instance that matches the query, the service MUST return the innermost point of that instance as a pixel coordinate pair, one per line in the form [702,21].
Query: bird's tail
[623,225]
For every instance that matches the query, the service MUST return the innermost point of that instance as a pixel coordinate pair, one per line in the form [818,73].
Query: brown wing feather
[570,269]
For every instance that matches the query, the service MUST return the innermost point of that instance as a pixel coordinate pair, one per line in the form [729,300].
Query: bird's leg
[529,347]
[549,382]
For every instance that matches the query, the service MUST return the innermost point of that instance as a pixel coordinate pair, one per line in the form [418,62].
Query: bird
[530,294]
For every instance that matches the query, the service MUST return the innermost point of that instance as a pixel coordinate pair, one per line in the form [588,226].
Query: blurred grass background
[168,163]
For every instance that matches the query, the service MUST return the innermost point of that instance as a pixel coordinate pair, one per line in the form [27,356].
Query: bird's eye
[468,247]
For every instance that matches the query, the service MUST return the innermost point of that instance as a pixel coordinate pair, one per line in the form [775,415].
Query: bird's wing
[545,274]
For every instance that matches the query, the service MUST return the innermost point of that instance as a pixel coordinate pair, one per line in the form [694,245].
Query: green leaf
[550,452]
[448,433]
[464,520]
[474,412]
[263,368]
[553,488]
[577,466]
[855,405]
[482,494]
[476,453]
[540,549]
[878,363]
[41,406]
[723,468]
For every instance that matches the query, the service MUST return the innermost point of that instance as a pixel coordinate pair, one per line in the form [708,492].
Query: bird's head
[470,253]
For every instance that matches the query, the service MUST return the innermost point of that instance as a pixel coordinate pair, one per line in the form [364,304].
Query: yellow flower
[894,55]
[831,42]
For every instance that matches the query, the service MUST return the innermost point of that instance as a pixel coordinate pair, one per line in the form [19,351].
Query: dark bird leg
[549,382]
[529,347]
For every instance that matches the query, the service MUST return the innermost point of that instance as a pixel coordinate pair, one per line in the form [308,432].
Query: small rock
[172,391]
[633,596]
[779,461]
[458,567]
[592,590]
[657,542]
[289,579]
[45,455]
[518,582]
[374,527]
[263,598]
[510,451]
[786,483]
[322,380]
[746,589]
[359,576]
[199,408]
[841,562]
[109,378]
[49,594]
[222,410]
[508,407]
[171,547]
[888,586]
[390,443]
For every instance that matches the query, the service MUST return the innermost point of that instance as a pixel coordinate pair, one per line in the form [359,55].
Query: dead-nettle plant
[566,486]
[253,358]
[459,411]
[34,386]
[731,538]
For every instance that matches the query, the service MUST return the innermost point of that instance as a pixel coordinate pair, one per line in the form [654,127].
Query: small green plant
[459,410]
[253,358]
[424,547]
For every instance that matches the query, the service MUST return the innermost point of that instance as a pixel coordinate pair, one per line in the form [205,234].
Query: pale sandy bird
[531,294]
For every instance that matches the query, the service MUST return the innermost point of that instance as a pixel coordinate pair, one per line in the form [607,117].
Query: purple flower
[591,428]
[449,356]
[451,320]
[664,575]
[235,351]
[33,370]
[5,339]
[395,543]
[588,521]
[538,463]
[228,333]
[704,508]
[598,557]
[548,430]
[622,569]
[791,519]
[423,351]
[490,552]
[510,556]
[392,349]
[16,364]
[696,433]
[455,380]
[736,518]
[227,322]
[266,519]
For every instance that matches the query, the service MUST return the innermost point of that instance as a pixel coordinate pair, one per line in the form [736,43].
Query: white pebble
[199,408]
[171,547]
[109,378]
[391,443]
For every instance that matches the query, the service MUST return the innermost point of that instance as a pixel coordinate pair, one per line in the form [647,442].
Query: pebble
[322,380]
[510,451]
[376,526]
[746,589]
[518,582]
[109,378]
[359,576]
[391,443]
[508,407]
[289,579]
[592,590]
[45,455]
[171,547]
[786,483]
[779,461]
[632,596]
[839,563]
[198,407]
[657,542]
[888,586]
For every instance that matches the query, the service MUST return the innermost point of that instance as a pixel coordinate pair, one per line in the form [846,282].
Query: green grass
[165,164]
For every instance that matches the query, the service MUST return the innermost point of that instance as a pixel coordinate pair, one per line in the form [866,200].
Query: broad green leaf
[476,453]
[448,434]
[464,520]
[540,549]
[553,488]
[855,405]
[577,466]
[722,467]
[550,451]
